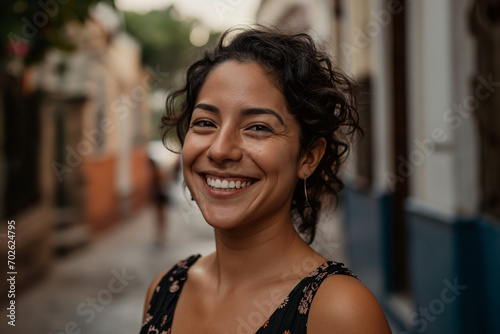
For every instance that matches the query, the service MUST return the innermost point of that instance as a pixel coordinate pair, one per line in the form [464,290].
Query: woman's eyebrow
[207,107]
[243,112]
[260,111]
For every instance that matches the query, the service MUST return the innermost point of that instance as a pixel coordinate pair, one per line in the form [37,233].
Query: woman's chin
[224,219]
[221,222]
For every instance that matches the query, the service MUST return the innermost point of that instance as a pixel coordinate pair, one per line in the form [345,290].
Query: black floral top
[289,318]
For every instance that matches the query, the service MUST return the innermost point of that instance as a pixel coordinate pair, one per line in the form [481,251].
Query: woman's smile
[227,184]
[221,187]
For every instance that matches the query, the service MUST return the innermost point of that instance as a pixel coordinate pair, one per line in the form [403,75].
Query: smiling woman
[260,112]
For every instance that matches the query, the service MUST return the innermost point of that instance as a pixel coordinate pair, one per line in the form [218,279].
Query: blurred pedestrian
[160,201]
[262,123]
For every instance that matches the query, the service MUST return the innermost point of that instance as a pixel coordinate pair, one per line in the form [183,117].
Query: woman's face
[241,153]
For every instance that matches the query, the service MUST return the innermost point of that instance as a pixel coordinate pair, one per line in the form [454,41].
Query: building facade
[75,128]
[421,205]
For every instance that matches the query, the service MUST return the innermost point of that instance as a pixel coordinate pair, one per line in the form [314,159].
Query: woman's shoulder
[344,305]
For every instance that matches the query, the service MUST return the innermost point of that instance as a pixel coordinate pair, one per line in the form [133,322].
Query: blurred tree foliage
[166,48]
[165,42]
[29,28]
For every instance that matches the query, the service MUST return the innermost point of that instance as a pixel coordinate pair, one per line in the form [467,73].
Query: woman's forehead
[234,82]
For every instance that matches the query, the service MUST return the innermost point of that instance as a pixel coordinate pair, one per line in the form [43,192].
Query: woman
[262,124]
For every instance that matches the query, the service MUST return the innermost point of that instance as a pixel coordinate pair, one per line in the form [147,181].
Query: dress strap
[291,316]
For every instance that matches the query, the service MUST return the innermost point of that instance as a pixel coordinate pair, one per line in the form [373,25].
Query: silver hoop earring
[306,204]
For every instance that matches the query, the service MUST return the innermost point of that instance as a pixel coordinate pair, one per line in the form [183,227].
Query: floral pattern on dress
[174,287]
[284,303]
[147,318]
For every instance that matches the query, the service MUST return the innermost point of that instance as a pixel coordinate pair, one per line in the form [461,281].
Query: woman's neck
[257,257]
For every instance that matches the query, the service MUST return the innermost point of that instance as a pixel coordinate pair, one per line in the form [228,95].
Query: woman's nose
[225,146]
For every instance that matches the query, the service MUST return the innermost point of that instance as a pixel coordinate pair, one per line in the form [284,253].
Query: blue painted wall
[453,262]
[367,225]
[443,267]
[489,240]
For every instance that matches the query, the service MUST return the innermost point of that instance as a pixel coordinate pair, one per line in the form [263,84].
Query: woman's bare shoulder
[344,305]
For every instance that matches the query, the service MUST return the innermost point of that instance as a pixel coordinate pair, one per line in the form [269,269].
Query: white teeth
[226,185]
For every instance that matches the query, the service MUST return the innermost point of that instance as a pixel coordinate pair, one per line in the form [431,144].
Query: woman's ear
[311,157]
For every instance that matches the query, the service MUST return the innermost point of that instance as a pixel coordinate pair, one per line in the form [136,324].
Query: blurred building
[422,202]
[74,148]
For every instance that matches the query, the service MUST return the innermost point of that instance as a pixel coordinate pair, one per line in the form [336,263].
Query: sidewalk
[101,288]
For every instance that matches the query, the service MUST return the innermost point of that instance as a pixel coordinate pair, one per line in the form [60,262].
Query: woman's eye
[203,124]
[261,128]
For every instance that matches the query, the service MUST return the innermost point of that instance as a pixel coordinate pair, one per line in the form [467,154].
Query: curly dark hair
[319,95]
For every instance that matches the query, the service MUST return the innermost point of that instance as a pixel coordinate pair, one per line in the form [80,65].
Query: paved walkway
[101,288]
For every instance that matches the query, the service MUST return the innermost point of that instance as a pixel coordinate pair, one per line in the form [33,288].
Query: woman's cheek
[192,148]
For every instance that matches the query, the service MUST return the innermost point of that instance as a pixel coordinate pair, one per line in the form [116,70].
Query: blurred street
[114,271]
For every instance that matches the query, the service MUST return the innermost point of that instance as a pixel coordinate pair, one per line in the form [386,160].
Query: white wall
[439,66]
[381,72]
[466,146]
